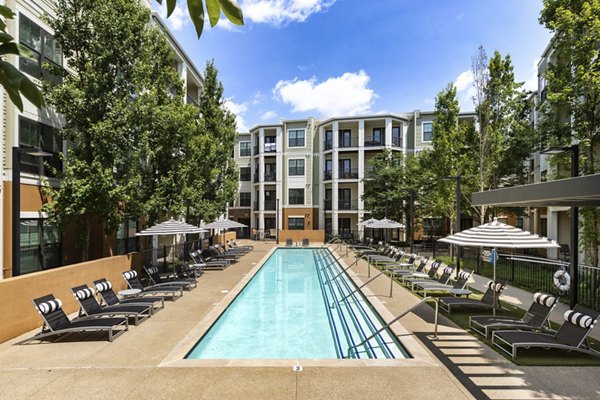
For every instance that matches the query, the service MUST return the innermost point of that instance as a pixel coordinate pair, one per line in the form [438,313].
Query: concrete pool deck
[460,366]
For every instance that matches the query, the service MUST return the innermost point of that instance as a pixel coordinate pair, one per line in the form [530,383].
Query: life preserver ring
[562,280]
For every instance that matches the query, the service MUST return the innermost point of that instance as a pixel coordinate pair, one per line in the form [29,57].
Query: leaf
[9,48]
[5,37]
[171,7]
[31,92]
[214,11]
[232,11]
[6,12]
[196,10]
[9,85]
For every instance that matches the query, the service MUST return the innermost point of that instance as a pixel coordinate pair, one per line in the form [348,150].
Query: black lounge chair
[408,270]
[207,264]
[133,282]
[242,249]
[443,279]
[289,242]
[535,318]
[571,336]
[89,306]
[110,298]
[231,250]
[184,271]
[432,272]
[56,322]
[158,281]
[305,242]
[461,283]
[219,254]
[487,301]
[249,246]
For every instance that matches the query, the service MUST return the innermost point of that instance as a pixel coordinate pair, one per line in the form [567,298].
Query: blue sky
[326,58]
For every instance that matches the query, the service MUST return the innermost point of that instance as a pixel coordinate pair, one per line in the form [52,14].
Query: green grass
[525,357]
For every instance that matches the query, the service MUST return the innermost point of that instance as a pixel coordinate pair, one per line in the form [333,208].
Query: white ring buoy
[562,280]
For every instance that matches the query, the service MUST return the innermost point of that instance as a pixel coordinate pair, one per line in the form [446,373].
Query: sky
[325,58]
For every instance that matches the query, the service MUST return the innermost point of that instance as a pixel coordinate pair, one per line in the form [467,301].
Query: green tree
[122,99]
[14,81]
[230,8]
[211,186]
[571,112]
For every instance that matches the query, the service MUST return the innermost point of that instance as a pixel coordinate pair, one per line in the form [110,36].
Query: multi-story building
[309,174]
[41,246]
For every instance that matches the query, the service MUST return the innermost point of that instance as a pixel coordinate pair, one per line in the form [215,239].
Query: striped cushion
[498,286]
[103,286]
[544,299]
[448,270]
[129,274]
[49,306]
[582,320]
[84,293]
[464,275]
[152,270]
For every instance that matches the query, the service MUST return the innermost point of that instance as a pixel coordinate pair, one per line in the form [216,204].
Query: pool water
[283,312]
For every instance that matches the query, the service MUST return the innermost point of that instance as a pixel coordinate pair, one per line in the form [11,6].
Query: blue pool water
[287,310]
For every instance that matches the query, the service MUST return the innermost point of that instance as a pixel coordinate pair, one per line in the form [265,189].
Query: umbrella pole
[494,275]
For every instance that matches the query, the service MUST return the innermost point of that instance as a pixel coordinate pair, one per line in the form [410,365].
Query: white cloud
[178,19]
[268,115]
[348,94]
[239,109]
[463,80]
[531,83]
[465,91]
[280,12]
[429,101]
[258,98]
[227,25]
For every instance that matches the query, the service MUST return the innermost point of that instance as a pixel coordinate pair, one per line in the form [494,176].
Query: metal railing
[327,175]
[347,141]
[270,147]
[374,142]
[255,150]
[386,326]
[270,205]
[255,178]
[348,173]
[346,205]
[327,204]
[328,144]
[270,176]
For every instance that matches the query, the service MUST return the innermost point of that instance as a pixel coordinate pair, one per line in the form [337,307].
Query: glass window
[396,139]
[328,139]
[270,144]
[245,174]
[295,223]
[126,239]
[244,199]
[427,131]
[296,196]
[296,167]
[40,245]
[345,138]
[43,48]
[40,136]
[245,149]
[296,138]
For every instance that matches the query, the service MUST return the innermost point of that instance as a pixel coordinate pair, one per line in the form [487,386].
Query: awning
[571,192]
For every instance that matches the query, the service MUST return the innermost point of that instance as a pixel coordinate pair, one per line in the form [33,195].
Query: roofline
[356,117]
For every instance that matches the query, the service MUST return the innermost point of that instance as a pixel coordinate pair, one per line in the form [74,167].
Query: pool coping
[176,358]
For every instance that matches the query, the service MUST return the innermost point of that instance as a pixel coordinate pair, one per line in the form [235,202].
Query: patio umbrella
[224,224]
[368,222]
[386,224]
[498,235]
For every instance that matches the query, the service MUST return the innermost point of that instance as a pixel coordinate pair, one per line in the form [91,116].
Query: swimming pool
[294,307]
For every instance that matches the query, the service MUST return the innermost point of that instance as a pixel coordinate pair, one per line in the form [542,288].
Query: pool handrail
[424,300]
[361,286]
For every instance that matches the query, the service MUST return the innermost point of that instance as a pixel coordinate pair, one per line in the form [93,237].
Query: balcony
[270,147]
[255,152]
[255,179]
[327,175]
[396,142]
[345,205]
[255,206]
[270,176]
[327,205]
[348,141]
[270,205]
[374,142]
[327,144]
[349,173]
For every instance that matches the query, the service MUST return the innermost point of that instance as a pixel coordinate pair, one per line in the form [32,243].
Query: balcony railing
[369,172]
[374,143]
[328,144]
[348,141]
[397,142]
[348,204]
[327,175]
[348,173]
[270,176]
[270,205]
[255,178]
[243,203]
[270,147]
[255,206]
[327,204]
[255,151]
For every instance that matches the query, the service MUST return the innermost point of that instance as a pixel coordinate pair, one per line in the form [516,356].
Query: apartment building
[40,245]
[308,174]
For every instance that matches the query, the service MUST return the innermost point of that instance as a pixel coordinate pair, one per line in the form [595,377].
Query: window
[296,196]
[43,48]
[245,174]
[345,138]
[270,144]
[520,223]
[245,149]
[345,169]
[295,223]
[328,139]
[345,228]
[244,199]
[396,139]
[344,199]
[126,239]
[427,131]
[544,226]
[40,245]
[296,167]
[378,136]
[328,169]
[296,137]
[35,134]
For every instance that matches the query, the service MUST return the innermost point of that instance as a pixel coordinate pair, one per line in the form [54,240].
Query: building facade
[42,246]
[309,174]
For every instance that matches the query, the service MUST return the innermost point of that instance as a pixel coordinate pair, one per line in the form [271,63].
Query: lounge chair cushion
[49,306]
[498,285]
[544,299]
[448,270]
[152,270]
[577,318]
[129,274]
[103,286]
[464,275]
[84,293]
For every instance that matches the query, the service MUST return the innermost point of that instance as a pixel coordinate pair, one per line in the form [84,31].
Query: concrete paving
[456,366]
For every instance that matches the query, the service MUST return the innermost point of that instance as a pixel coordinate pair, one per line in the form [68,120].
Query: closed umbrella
[498,235]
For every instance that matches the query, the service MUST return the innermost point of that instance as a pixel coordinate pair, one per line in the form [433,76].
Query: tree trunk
[85,251]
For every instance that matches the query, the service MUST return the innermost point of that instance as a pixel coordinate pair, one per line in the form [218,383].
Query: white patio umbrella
[387,224]
[366,223]
[498,235]
[224,224]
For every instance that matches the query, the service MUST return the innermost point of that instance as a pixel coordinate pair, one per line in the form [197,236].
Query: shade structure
[224,224]
[387,224]
[367,223]
[171,227]
[498,235]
